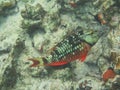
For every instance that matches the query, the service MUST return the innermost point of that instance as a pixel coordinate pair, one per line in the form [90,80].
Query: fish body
[73,47]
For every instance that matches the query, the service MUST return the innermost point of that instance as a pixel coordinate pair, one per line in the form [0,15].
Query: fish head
[92,36]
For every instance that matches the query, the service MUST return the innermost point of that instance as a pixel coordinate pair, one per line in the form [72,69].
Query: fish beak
[35,62]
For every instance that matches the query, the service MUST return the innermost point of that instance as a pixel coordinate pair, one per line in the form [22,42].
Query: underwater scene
[59,44]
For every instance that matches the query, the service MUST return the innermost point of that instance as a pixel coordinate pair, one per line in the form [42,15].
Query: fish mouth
[35,62]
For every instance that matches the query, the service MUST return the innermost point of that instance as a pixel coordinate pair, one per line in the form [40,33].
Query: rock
[33,12]
[10,64]
[32,17]
[6,5]
[51,22]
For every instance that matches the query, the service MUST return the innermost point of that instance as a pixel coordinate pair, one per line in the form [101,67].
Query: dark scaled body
[69,45]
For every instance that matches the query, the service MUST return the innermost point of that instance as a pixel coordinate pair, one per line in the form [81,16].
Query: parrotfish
[73,47]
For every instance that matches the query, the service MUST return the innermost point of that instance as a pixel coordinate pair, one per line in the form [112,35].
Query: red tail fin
[35,62]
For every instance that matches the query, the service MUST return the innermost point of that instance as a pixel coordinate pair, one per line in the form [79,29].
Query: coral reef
[6,5]
[32,17]
[34,28]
